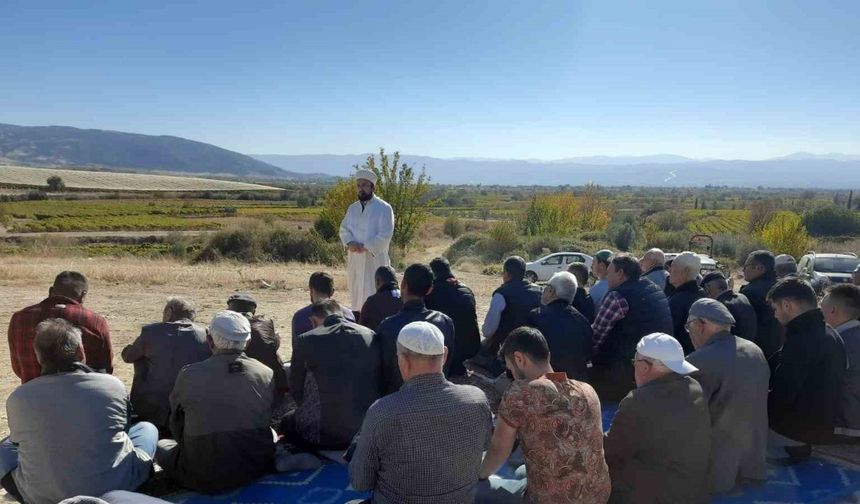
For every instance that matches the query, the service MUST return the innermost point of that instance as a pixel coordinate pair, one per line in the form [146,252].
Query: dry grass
[130,292]
[112,181]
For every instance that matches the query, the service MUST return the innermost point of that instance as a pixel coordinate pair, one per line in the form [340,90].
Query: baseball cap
[422,338]
[666,349]
[711,310]
[230,325]
[604,255]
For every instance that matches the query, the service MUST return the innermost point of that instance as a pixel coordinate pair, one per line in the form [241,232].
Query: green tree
[55,183]
[405,190]
[335,203]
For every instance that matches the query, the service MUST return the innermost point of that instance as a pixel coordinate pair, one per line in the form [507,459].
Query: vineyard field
[718,221]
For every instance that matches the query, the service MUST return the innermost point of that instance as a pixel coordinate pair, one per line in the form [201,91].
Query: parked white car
[827,269]
[545,267]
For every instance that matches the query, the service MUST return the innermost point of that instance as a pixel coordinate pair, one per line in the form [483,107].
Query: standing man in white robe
[366,231]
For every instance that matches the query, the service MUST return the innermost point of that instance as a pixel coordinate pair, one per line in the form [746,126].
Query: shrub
[55,183]
[670,241]
[622,235]
[786,234]
[503,238]
[761,213]
[334,206]
[668,220]
[832,221]
[465,246]
[257,241]
[745,246]
[453,226]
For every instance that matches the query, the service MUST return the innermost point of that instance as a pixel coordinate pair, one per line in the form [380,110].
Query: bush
[786,234]
[55,183]
[465,246]
[745,246]
[832,221]
[334,206]
[761,213]
[670,241]
[669,220]
[453,226]
[622,235]
[503,238]
[257,241]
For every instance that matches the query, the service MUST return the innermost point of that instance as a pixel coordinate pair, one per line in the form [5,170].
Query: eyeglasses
[689,324]
[635,360]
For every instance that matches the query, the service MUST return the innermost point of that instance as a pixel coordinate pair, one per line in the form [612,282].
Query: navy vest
[649,313]
[521,297]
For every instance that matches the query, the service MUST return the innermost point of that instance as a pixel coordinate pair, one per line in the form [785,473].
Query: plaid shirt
[613,309]
[22,331]
[423,444]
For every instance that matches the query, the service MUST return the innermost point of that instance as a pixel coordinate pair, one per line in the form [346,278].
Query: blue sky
[502,79]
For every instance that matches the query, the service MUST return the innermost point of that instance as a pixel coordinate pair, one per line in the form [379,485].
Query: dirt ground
[130,292]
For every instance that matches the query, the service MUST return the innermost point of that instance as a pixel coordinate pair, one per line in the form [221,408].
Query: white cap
[230,325]
[422,338]
[666,349]
[784,259]
[366,175]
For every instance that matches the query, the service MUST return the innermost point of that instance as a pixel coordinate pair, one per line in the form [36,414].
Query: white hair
[564,283]
[691,262]
[657,256]
[222,343]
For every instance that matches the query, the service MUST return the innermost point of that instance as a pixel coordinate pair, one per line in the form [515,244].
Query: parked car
[827,269]
[545,267]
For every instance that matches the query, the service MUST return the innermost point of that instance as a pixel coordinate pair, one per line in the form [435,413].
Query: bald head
[652,259]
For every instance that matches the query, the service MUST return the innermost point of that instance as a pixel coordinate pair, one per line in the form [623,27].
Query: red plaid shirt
[613,309]
[98,353]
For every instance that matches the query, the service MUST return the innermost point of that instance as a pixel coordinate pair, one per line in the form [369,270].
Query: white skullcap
[422,338]
[230,325]
[783,259]
[366,175]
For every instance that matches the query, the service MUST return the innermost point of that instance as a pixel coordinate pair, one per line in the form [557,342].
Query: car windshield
[836,264]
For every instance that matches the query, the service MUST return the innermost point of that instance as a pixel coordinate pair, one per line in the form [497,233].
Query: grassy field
[141,215]
[19,176]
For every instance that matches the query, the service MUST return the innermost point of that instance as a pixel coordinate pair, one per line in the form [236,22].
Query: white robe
[371,225]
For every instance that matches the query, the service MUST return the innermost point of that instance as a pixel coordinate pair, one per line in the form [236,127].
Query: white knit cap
[230,325]
[422,338]
[366,175]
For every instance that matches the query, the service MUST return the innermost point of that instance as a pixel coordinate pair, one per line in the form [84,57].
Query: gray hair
[657,256]
[402,350]
[564,284]
[181,308]
[222,343]
[691,262]
[56,343]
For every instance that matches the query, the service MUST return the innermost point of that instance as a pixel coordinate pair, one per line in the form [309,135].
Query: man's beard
[365,196]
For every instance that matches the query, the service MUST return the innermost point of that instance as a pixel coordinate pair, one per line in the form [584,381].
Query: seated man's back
[220,413]
[423,444]
[70,428]
[568,335]
[158,354]
[334,378]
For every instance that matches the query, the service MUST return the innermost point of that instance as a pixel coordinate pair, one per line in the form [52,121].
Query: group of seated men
[712,384]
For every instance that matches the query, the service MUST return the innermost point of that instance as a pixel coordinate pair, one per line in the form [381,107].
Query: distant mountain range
[62,146]
[114,150]
[826,171]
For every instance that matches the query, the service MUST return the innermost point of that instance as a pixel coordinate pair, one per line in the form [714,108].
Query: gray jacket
[219,414]
[734,376]
[158,354]
[658,445]
[849,418]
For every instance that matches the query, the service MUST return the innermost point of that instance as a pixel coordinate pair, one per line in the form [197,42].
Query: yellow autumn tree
[786,234]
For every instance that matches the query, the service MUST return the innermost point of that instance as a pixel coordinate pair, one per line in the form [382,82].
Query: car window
[836,264]
[553,260]
[570,259]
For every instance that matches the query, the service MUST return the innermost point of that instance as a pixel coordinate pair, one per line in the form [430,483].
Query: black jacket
[453,298]
[769,333]
[568,335]
[806,380]
[584,304]
[742,310]
[334,378]
[680,301]
[263,346]
[384,303]
[521,297]
[389,329]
